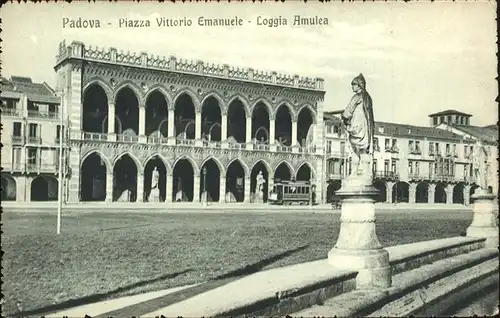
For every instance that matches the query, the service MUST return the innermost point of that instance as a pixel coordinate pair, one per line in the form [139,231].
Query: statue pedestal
[484,219]
[154,195]
[125,196]
[358,247]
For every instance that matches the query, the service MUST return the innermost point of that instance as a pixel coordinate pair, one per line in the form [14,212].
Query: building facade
[202,127]
[417,164]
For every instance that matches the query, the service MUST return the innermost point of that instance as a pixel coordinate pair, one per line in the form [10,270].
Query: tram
[287,192]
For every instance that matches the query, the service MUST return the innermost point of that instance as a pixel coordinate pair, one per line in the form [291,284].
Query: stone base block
[374,270]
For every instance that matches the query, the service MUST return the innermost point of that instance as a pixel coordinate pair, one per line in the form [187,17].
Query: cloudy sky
[417,57]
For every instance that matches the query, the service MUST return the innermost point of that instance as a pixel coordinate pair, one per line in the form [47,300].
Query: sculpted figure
[154,178]
[259,189]
[480,165]
[359,125]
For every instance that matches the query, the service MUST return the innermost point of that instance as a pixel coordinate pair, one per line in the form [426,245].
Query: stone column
[109,186]
[430,193]
[294,133]
[484,219]
[169,187]
[222,190]
[412,193]
[248,133]
[247,190]
[171,127]
[197,134]
[358,247]
[466,194]
[449,194]
[272,131]
[142,123]
[223,129]
[196,188]
[388,192]
[140,186]
[111,122]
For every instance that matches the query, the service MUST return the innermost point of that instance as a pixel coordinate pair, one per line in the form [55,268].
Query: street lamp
[204,196]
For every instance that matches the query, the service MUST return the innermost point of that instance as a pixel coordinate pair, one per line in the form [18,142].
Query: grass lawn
[109,254]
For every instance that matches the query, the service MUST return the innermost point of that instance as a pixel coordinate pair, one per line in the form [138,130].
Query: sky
[417,57]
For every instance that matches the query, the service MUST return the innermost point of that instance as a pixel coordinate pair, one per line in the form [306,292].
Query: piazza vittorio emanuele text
[142,128]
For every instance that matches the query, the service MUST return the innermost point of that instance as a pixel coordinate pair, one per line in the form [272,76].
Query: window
[374,165]
[461,120]
[329,128]
[471,150]
[375,144]
[454,149]
[437,148]
[431,147]
[410,167]
[394,143]
[441,119]
[449,119]
[58,132]
[335,129]
[465,150]
[394,166]
[328,146]
[417,145]
[386,165]
[430,168]
[342,147]
[16,131]
[466,171]
[387,143]
[410,145]
[434,121]
[16,155]
[417,168]
[447,148]
[33,130]
[32,154]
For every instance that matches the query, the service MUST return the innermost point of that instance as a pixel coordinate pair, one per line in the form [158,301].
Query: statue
[154,178]
[360,125]
[481,165]
[259,189]
[154,194]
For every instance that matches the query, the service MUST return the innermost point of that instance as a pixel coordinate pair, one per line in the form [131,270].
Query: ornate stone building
[418,164]
[203,127]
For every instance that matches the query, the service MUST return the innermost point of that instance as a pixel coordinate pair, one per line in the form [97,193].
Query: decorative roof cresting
[112,55]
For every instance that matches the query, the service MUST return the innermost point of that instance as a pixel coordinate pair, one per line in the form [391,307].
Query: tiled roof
[402,130]
[487,133]
[450,112]
[37,92]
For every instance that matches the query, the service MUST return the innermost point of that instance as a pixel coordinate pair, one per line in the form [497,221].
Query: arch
[312,173]
[440,193]
[381,186]
[44,188]
[260,166]
[220,101]
[95,107]
[125,170]
[305,121]
[422,193]
[127,105]
[134,158]
[266,165]
[288,105]
[243,164]
[118,124]
[100,154]
[100,82]
[212,127]
[133,87]
[283,125]
[158,193]
[183,173]
[159,156]
[9,188]
[93,176]
[473,188]
[311,110]
[162,90]
[210,182]
[458,193]
[191,94]
[292,171]
[266,103]
[161,124]
[278,168]
[236,172]
[217,162]
[400,192]
[195,166]
[156,112]
[243,101]
[211,113]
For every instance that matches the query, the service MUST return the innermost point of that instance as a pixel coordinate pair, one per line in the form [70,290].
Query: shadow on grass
[97,297]
[146,307]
